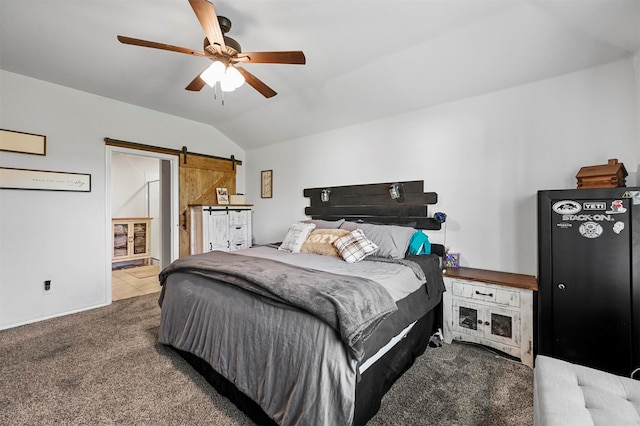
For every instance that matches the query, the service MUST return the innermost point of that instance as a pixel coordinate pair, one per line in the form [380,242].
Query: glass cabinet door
[503,326]
[130,239]
[468,318]
[139,238]
[120,240]
[485,322]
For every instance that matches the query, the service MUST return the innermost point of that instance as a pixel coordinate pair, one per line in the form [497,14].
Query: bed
[295,335]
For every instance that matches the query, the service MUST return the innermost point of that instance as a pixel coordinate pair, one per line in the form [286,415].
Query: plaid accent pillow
[354,246]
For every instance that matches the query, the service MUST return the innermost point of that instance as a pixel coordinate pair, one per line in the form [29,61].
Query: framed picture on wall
[266,184]
[25,143]
[11,178]
[222,195]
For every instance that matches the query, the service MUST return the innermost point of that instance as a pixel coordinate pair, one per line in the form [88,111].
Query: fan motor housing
[225,24]
[232,46]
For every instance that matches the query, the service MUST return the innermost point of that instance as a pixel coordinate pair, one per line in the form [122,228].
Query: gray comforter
[262,332]
[351,305]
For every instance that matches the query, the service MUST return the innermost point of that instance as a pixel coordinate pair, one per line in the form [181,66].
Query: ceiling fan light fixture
[235,78]
[224,51]
[226,85]
[214,73]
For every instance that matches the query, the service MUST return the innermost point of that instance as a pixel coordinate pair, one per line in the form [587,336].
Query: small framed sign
[222,195]
[266,184]
[44,180]
[25,143]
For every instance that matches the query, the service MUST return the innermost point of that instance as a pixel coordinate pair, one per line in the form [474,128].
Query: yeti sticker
[594,205]
[590,230]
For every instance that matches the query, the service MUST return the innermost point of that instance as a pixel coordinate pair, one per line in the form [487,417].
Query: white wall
[135,192]
[62,236]
[636,71]
[129,177]
[486,157]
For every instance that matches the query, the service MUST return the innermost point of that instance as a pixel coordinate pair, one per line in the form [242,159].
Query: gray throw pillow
[392,240]
[325,224]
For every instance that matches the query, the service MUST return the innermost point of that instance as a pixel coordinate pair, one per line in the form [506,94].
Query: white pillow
[296,236]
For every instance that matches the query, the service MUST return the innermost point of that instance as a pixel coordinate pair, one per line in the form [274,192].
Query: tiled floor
[132,282]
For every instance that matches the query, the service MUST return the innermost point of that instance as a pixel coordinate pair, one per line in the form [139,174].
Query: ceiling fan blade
[161,46]
[197,83]
[206,14]
[291,57]
[257,84]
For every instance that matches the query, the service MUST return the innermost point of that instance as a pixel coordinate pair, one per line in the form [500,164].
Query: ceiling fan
[225,53]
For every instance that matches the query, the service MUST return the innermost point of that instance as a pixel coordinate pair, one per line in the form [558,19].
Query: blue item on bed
[419,244]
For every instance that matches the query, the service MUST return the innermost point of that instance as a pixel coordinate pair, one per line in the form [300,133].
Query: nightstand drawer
[238,217]
[238,245]
[238,238]
[507,297]
[471,290]
[238,233]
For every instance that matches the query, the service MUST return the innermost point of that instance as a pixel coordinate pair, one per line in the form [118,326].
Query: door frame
[173,238]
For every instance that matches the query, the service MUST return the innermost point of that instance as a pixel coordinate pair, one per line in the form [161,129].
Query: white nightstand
[490,308]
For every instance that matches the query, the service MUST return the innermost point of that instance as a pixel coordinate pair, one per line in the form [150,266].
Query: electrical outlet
[46,289]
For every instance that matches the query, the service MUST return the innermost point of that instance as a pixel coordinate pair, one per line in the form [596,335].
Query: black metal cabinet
[588,307]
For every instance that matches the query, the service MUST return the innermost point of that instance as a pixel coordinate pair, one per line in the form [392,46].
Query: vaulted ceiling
[365,59]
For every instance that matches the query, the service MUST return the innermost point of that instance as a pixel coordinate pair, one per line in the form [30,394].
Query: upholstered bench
[567,394]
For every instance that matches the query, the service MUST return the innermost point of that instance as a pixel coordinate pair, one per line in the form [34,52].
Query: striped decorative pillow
[354,246]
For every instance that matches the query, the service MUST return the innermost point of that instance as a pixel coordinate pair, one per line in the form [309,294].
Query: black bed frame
[366,203]
[373,385]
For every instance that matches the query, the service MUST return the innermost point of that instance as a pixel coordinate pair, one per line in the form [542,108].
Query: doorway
[142,194]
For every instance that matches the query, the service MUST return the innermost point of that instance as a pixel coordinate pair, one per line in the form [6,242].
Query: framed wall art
[222,195]
[266,183]
[25,143]
[44,180]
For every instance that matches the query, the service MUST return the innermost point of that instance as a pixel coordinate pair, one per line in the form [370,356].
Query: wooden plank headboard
[373,203]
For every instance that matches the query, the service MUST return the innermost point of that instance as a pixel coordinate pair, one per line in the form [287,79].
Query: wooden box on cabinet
[130,239]
[490,308]
[225,228]
[610,175]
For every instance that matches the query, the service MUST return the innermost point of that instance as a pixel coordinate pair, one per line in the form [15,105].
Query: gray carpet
[105,366]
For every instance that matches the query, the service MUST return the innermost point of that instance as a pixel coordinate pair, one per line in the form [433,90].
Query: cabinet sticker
[634,195]
[566,207]
[594,205]
[590,230]
[616,207]
[618,227]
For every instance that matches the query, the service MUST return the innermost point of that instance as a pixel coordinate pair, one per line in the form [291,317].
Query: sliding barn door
[199,178]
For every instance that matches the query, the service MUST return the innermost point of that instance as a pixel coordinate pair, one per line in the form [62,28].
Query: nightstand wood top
[527,282]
